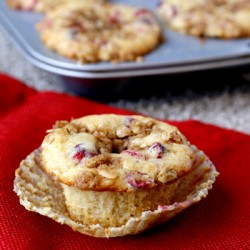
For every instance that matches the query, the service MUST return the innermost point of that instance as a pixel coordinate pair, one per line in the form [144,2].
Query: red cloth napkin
[221,221]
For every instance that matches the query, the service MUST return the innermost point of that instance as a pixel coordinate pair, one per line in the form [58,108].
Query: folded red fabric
[221,221]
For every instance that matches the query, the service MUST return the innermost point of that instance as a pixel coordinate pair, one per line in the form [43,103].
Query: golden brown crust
[118,153]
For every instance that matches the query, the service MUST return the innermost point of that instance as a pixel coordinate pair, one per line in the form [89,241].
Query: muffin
[211,18]
[41,5]
[93,32]
[112,175]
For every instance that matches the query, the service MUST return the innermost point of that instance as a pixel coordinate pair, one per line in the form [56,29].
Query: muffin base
[113,209]
[41,193]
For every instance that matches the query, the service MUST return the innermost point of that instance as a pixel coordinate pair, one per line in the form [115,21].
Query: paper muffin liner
[43,194]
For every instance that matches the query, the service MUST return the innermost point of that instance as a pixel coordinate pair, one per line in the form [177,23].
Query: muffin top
[211,18]
[90,32]
[116,153]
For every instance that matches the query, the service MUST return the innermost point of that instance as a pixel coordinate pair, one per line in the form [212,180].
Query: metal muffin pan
[178,53]
[137,72]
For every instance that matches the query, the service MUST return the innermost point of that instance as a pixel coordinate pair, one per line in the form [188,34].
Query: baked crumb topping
[112,152]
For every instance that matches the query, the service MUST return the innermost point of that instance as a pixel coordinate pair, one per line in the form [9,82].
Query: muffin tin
[177,53]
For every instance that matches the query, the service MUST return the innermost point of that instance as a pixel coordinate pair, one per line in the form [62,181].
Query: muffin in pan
[41,5]
[89,32]
[114,175]
[211,18]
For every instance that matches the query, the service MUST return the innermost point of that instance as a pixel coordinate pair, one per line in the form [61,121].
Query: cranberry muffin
[89,32]
[115,167]
[211,18]
[113,175]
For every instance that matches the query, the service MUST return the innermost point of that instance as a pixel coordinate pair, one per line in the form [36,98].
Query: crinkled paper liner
[40,193]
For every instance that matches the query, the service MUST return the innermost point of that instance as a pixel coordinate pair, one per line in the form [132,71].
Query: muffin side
[114,209]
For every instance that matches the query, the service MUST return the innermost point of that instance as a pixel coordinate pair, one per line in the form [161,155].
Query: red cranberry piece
[157,150]
[133,153]
[144,16]
[79,155]
[142,11]
[138,180]
[82,153]
[115,17]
